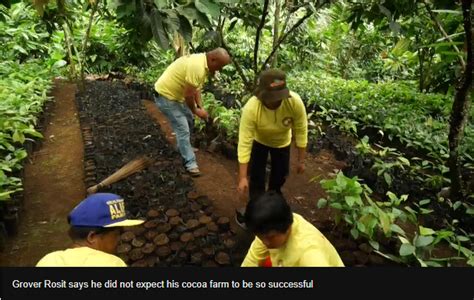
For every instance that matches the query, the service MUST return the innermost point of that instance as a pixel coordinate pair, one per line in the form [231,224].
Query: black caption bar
[149,283]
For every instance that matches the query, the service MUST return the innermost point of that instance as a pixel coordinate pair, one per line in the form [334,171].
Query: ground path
[54,183]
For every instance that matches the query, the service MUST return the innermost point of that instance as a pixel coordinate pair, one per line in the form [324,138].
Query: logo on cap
[116,208]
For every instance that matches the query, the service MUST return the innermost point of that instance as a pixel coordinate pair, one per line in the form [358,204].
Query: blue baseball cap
[101,210]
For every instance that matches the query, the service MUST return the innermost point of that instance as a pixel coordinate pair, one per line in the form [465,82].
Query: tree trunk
[276,28]
[460,111]
[257,41]
[421,59]
[86,38]
[67,39]
[284,36]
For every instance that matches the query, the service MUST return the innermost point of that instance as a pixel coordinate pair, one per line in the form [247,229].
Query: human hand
[300,168]
[201,113]
[243,186]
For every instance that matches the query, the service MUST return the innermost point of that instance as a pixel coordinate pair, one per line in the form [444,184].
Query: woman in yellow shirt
[269,121]
[283,238]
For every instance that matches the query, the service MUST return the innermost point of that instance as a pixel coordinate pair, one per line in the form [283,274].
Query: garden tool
[128,169]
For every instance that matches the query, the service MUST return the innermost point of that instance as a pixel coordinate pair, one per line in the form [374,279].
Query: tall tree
[461,107]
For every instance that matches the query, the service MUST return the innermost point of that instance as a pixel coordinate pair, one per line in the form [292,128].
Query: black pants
[280,167]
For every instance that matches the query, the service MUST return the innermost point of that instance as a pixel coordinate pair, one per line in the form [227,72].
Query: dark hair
[268,212]
[81,233]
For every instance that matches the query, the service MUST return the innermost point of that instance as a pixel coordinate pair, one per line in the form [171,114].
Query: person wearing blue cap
[95,225]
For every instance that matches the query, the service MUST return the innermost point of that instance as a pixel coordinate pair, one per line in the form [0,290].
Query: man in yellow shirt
[269,121]
[178,96]
[283,238]
[95,225]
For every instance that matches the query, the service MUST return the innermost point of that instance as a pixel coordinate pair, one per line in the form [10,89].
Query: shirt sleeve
[257,253]
[195,75]
[47,261]
[314,258]
[246,135]
[300,127]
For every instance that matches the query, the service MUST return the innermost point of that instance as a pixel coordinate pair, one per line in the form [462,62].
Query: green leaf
[466,252]
[426,231]
[388,178]
[354,233]
[350,200]
[172,20]
[392,196]
[406,249]
[322,203]
[336,206]
[18,137]
[361,227]
[191,13]
[423,202]
[374,244]
[404,160]
[6,195]
[462,238]
[431,263]
[397,229]
[160,4]
[341,180]
[389,256]
[384,222]
[423,241]
[471,261]
[470,211]
[60,63]
[158,30]
[208,7]
[185,28]
[456,205]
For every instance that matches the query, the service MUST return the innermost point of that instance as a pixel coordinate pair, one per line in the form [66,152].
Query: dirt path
[54,183]
[219,180]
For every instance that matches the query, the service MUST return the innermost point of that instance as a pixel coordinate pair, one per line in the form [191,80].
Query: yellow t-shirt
[190,69]
[80,257]
[272,128]
[306,247]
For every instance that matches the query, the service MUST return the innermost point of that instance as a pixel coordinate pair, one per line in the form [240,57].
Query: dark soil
[121,131]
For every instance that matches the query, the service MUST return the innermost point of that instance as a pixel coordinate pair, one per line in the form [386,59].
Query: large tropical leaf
[208,7]
[191,13]
[172,20]
[185,28]
[158,29]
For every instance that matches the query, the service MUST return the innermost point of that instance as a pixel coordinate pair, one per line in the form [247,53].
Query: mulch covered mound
[181,228]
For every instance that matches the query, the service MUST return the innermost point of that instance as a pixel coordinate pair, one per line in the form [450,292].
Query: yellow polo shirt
[80,257]
[306,247]
[272,128]
[189,69]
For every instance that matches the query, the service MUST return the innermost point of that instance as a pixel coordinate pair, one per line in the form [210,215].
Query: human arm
[300,168]
[243,181]
[191,96]
[244,148]
[198,99]
[300,129]
[194,79]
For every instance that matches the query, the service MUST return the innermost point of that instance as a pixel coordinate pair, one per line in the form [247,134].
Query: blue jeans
[181,120]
